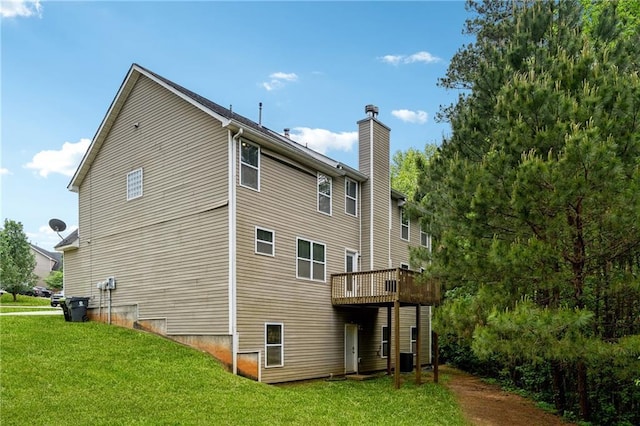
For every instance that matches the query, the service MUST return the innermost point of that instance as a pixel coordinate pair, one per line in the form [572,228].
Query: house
[206,227]
[46,262]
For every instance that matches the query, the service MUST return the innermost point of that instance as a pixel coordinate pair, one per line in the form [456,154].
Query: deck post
[388,341]
[435,357]
[418,346]
[396,339]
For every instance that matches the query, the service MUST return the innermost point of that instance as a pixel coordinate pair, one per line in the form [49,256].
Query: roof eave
[296,154]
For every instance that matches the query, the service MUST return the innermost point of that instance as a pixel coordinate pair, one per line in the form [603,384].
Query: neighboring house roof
[53,256]
[71,241]
[228,118]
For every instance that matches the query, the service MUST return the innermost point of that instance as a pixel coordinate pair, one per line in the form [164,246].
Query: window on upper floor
[311,260]
[134,184]
[324,194]
[249,165]
[274,344]
[265,241]
[425,240]
[404,224]
[351,197]
[384,343]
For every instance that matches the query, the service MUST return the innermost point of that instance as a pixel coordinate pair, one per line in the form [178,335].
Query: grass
[22,300]
[6,309]
[56,372]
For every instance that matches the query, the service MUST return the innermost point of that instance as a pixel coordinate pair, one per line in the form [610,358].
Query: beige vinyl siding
[267,287]
[364,154]
[168,248]
[399,247]
[376,166]
[372,360]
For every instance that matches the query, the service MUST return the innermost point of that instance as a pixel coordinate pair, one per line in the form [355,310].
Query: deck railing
[383,286]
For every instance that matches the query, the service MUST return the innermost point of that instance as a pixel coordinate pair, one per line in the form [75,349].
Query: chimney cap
[371,110]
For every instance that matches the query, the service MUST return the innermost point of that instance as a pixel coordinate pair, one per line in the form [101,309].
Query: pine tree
[536,195]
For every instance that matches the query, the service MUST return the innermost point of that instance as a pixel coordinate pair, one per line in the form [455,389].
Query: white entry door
[350,348]
[351,265]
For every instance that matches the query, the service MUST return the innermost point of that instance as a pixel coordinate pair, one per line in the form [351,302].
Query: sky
[313,65]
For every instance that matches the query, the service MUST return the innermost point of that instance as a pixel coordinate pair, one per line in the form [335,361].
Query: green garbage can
[78,308]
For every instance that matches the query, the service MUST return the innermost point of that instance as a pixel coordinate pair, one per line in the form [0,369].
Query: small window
[324,194]
[425,240]
[250,165]
[265,241]
[384,344]
[273,345]
[413,337]
[351,197]
[404,224]
[310,260]
[404,266]
[134,184]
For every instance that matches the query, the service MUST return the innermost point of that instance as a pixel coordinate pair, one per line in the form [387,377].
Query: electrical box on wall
[111,283]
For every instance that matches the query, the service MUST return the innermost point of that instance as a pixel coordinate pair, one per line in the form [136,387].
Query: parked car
[41,291]
[55,298]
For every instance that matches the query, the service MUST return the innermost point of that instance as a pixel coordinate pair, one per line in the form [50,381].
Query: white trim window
[249,165]
[413,338]
[310,260]
[265,241]
[134,184]
[404,224]
[273,344]
[404,266]
[384,342]
[324,194]
[351,197]
[425,240]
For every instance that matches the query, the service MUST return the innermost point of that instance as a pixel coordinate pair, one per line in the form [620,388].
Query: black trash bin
[406,362]
[78,308]
[65,309]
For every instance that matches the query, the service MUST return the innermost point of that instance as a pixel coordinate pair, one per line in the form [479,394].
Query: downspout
[233,320]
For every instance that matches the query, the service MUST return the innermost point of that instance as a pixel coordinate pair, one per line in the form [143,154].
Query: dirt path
[484,404]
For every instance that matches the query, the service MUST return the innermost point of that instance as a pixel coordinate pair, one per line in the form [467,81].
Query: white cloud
[408,116]
[392,59]
[65,161]
[421,56]
[4,171]
[278,80]
[22,8]
[284,76]
[322,140]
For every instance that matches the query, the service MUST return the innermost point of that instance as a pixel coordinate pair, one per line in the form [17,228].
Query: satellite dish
[57,225]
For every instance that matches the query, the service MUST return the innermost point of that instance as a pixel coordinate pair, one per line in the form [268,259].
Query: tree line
[534,203]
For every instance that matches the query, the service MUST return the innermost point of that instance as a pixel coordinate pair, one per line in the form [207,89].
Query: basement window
[274,345]
[384,344]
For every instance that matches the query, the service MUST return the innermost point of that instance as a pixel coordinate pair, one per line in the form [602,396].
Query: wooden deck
[384,288]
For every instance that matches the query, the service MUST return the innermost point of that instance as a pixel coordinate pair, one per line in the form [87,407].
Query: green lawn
[22,300]
[56,372]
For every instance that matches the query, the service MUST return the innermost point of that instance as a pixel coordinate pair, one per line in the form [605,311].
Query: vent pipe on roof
[260,114]
[371,110]
[286,132]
